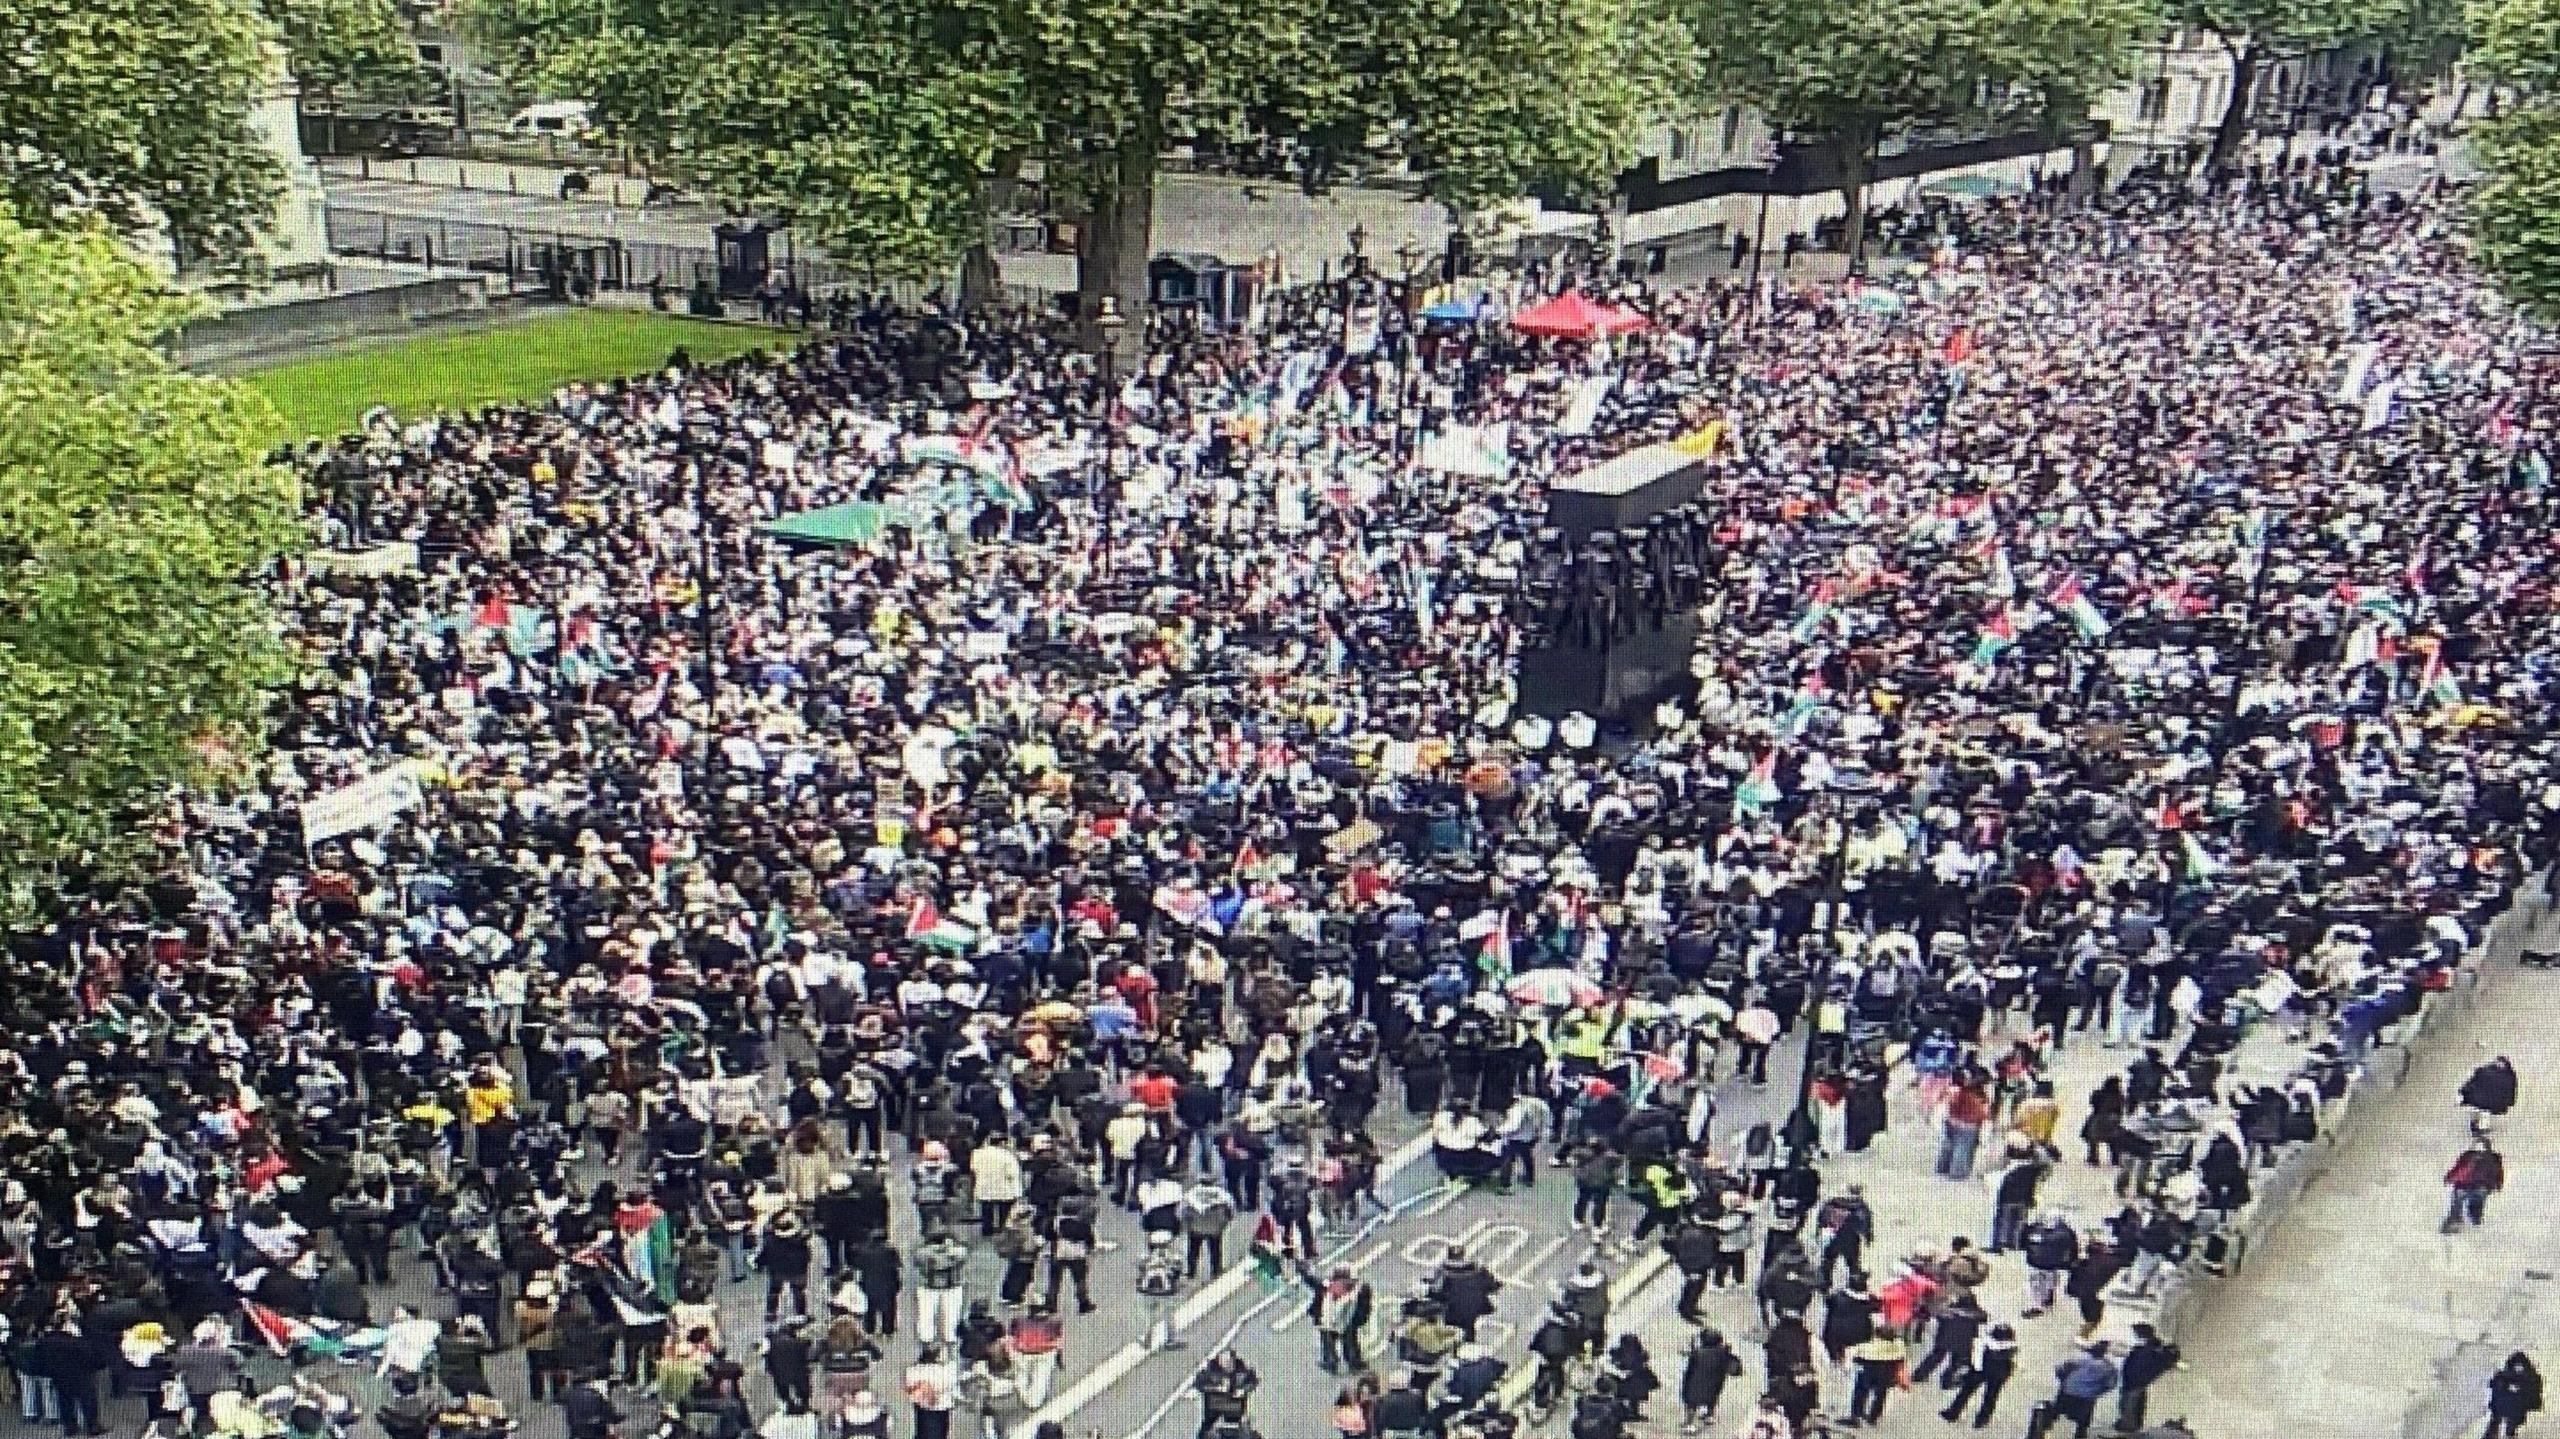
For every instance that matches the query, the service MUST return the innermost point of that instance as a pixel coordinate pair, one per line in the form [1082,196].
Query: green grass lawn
[468,369]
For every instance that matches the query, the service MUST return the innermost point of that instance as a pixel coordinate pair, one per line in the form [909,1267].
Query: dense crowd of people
[2126,632]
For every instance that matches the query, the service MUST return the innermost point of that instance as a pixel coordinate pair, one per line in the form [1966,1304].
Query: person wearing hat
[785,1257]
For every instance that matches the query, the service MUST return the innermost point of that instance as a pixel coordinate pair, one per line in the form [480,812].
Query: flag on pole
[2200,865]
[2433,681]
[2250,539]
[1495,958]
[1799,716]
[1760,789]
[1818,613]
[925,925]
[2084,616]
[1998,633]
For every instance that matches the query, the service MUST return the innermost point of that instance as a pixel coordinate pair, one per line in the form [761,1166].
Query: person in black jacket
[1465,1290]
[840,1222]
[2491,1090]
[2515,1395]
[1556,1343]
[785,1257]
[1995,1360]
[787,1359]
[1951,1339]
[590,1411]
[880,1272]
[1710,1365]
[1694,1249]
[73,1361]
[2150,1357]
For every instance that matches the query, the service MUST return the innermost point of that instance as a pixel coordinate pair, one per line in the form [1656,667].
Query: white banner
[2360,360]
[1583,410]
[375,563]
[1483,451]
[366,804]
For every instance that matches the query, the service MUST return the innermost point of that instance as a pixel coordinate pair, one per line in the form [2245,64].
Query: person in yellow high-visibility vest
[489,1102]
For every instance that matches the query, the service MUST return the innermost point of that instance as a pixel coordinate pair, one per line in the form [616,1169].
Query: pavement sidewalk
[2358,1319]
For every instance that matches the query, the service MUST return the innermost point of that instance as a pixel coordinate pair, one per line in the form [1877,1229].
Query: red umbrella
[1576,316]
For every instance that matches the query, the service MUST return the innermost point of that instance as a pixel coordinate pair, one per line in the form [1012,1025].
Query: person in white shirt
[408,1344]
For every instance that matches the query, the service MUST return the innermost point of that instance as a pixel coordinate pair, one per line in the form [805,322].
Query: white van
[566,119]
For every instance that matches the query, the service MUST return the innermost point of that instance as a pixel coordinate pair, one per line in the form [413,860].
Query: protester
[1144,787]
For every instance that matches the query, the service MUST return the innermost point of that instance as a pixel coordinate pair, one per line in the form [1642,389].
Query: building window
[1679,144]
[1732,127]
[431,54]
[2154,106]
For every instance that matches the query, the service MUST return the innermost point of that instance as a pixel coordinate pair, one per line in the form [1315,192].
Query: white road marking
[1118,1364]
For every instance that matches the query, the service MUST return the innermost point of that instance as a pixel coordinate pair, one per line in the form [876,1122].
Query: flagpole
[2242,662]
[702,583]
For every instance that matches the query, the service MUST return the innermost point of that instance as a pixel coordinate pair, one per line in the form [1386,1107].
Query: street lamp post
[1409,260]
[1760,231]
[1108,322]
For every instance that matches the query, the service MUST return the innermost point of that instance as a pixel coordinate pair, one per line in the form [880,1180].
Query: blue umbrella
[1464,310]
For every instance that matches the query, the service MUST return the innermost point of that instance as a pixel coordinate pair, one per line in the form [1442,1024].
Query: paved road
[1193,213]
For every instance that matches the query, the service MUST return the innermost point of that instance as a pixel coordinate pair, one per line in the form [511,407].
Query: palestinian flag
[286,1335]
[1998,633]
[1819,613]
[2433,681]
[2084,616]
[1495,958]
[1270,1263]
[1760,789]
[925,925]
[1808,701]
[2372,600]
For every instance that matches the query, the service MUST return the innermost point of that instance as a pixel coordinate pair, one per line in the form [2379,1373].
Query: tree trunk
[981,283]
[2084,167]
[2234,129]
[1111,250]
[1855,150]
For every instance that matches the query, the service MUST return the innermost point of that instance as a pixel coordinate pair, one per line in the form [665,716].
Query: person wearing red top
[1960,1133]
[1138,986]
[1155,1089]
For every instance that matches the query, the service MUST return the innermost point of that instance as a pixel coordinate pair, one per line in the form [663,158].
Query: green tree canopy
[355,48]
[2515,213]
[137,111]
[136,512]
[1860,70]
[879,127]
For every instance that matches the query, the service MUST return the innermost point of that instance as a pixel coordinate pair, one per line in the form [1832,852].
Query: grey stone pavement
[2358,1319]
